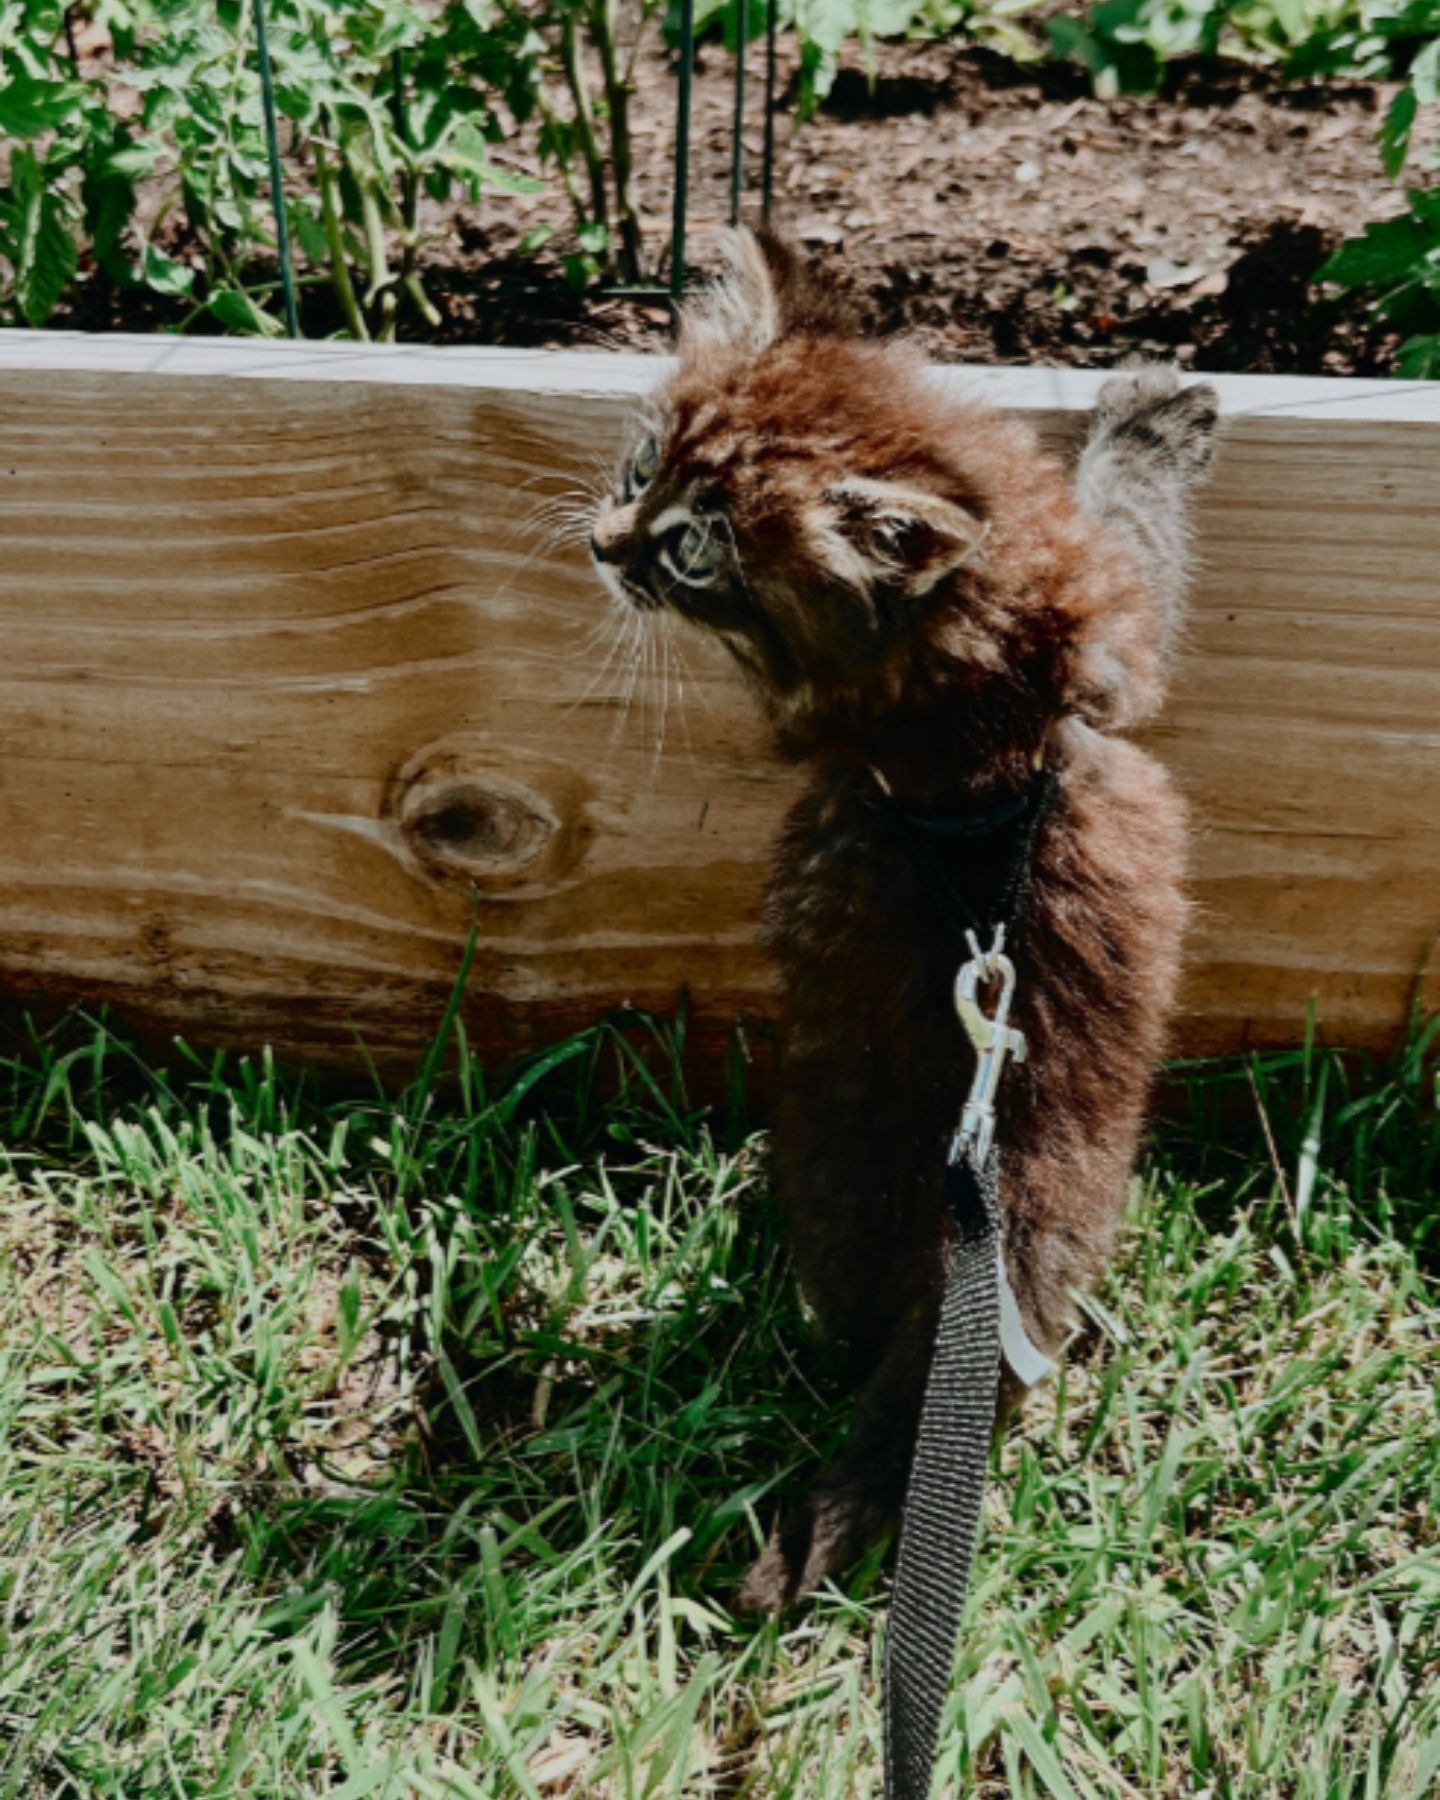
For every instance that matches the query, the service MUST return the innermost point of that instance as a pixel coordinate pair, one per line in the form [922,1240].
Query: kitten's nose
[610,534]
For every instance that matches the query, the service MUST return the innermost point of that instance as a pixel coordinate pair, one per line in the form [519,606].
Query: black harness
[978,1318]
[925,839]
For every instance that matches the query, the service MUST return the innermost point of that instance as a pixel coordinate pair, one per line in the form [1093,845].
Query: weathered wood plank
[284,675]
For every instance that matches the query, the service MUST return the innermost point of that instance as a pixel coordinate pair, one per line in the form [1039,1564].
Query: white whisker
[635,653]
[672,650]
[561,519]
[602,629]
[619,620]
[575,494]
[662,657]
[657,696]
[682,664]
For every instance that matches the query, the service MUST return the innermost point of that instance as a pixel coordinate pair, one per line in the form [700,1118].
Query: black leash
[947,1487]
[979,1320]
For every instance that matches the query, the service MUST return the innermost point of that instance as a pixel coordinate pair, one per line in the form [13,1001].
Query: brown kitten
[926,608]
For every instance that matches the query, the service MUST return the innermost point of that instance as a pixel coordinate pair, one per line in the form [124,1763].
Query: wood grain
[286,682]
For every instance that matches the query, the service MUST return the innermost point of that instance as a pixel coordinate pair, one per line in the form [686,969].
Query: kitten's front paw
[812,1542]
[782,1573]
[771,1584]
[1148,412]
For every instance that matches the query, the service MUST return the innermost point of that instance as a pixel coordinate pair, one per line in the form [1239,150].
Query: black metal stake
[682,150]
[277,183]
[767,178]
[737,149]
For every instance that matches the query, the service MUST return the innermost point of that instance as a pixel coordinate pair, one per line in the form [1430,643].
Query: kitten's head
[813,500]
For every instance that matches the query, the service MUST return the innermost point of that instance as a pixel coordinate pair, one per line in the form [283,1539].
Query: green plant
[1126,44]
[585,81]
[387,104]
[1398,260]
[823,28]
[71,167]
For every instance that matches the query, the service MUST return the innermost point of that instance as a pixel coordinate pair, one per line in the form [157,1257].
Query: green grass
[413,1447]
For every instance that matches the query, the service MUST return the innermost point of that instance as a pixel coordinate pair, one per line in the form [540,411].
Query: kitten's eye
[642,466]
[696,555]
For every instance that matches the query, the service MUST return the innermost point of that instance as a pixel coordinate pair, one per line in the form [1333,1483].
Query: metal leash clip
[995,1041]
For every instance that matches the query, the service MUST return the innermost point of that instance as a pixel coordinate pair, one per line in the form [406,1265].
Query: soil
[997,212]
[1001,213]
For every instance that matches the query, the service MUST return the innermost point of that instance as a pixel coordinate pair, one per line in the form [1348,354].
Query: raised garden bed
[287,682]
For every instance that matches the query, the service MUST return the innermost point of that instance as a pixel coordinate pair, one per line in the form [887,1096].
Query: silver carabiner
[995,1041]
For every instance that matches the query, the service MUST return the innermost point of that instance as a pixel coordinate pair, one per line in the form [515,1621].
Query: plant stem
[375,248]
[410,281]
[574,68]
[421,300]
[642,26]
[567,173]
[207,227]
[259,287]
[335,240]
[622,158]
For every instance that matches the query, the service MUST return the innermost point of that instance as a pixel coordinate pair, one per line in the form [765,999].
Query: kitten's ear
[765,292]
[809,304]
[900,537]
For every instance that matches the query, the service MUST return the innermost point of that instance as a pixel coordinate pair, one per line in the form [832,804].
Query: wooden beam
[285,679]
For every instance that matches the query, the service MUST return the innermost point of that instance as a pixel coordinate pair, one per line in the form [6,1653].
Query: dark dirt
[997,212]
[1003,214]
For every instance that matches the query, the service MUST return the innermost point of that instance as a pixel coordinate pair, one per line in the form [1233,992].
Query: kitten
[927,610]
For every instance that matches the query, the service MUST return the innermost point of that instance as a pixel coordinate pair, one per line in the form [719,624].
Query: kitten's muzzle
[620,583]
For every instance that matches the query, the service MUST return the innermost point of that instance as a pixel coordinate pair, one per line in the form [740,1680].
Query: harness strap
[923,838]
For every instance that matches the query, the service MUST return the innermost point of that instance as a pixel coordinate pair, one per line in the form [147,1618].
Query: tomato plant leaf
[1419,358]
[238,312]
[44,251]
[1425,71]
[1395,132]
[29,108]
[1385,255]
[164,275]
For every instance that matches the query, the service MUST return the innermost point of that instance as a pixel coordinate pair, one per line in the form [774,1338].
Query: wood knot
[461,821]
[481,828]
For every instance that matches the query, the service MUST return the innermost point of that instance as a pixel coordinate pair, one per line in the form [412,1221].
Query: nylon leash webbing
[946,1492]
[947,1486]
